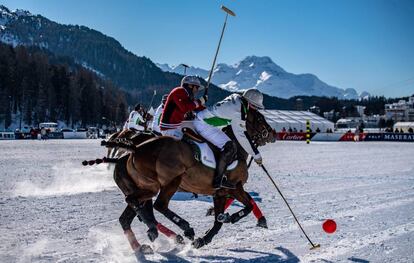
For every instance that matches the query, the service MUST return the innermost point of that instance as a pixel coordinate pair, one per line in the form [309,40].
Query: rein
[259,134]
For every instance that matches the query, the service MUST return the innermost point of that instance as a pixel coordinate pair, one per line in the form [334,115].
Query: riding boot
[219,173]
[225,158]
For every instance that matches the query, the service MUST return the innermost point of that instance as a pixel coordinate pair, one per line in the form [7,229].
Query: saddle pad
[206,156]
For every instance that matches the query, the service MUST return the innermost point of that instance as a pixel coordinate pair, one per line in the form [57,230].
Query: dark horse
[163,164]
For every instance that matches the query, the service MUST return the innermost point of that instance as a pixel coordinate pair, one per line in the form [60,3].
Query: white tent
[404,126]
[280,119]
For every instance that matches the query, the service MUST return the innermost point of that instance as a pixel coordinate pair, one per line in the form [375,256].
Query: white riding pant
[211,133]
[177,133]
[136,127]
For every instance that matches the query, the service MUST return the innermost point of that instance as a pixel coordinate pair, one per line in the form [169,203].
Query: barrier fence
[287,136]
[349,136]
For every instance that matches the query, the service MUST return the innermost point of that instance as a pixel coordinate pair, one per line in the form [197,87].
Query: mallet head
[228,11]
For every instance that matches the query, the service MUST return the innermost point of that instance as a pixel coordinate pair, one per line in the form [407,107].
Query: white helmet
[255,97]
[191,80]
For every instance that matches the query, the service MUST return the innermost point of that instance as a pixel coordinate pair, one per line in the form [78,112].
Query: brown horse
[164,164]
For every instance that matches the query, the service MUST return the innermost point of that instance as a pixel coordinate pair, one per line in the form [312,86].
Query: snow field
[52,209]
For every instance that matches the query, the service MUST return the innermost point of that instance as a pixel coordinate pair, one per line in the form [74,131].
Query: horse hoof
[146,250]
[152,234]
[189,233]
[179,239]
[262,222]
[199,242]
[223,218]
[210,211]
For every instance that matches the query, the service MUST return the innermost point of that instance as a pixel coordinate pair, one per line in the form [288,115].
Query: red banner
[351,136]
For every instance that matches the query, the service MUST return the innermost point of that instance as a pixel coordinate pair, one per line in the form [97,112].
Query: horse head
[258,128]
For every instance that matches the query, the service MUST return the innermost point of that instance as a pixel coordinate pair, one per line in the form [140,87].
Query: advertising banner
[373,137]
[292,136]
[399,137]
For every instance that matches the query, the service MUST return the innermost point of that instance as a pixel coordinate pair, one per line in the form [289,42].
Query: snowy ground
[52,209]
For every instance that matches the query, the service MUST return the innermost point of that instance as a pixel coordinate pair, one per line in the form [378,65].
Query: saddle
[204,151]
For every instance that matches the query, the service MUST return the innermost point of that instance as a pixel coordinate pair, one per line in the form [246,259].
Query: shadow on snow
[286,257]
[184,196]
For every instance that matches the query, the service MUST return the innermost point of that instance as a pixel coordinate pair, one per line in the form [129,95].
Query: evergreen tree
[40,91]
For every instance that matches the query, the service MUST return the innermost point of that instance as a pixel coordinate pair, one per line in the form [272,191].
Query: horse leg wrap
[239,215]
[184,225]
[166,231]
[132,240]
[126,218]
[146,213]
[256,210]
[181,223]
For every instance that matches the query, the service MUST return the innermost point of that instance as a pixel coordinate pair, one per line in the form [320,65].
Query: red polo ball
[329,226]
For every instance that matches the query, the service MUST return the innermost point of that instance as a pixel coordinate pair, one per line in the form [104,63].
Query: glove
[203,99]
[189,116]
[258,159]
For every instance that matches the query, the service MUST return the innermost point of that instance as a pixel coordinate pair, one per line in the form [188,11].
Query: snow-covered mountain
[7,16]
[262,73]
[107,57]
[179,69]
[88,47]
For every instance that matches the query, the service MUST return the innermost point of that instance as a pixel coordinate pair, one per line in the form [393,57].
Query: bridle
[261,131]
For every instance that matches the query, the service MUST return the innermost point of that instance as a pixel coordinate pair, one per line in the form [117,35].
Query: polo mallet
[284,199]
[228,12]
[185,67]
[152,99]
[250,163]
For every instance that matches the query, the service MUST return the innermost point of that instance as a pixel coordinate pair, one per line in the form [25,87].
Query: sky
[367,45]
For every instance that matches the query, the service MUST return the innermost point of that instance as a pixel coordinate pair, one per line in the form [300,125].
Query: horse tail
[125,144]
[99,161]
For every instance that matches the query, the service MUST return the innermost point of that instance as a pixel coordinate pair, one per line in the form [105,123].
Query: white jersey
[155,126]
[135,121]
[228,112]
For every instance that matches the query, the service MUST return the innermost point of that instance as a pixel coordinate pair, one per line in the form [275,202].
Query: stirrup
[226,184]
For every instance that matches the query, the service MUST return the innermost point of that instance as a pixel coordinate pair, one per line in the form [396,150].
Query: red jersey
[177,105]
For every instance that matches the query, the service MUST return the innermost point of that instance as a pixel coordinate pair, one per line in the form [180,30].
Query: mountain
[102,54]
[180,70]
[262,73]
[138,76]
[37,86]
[88,47]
